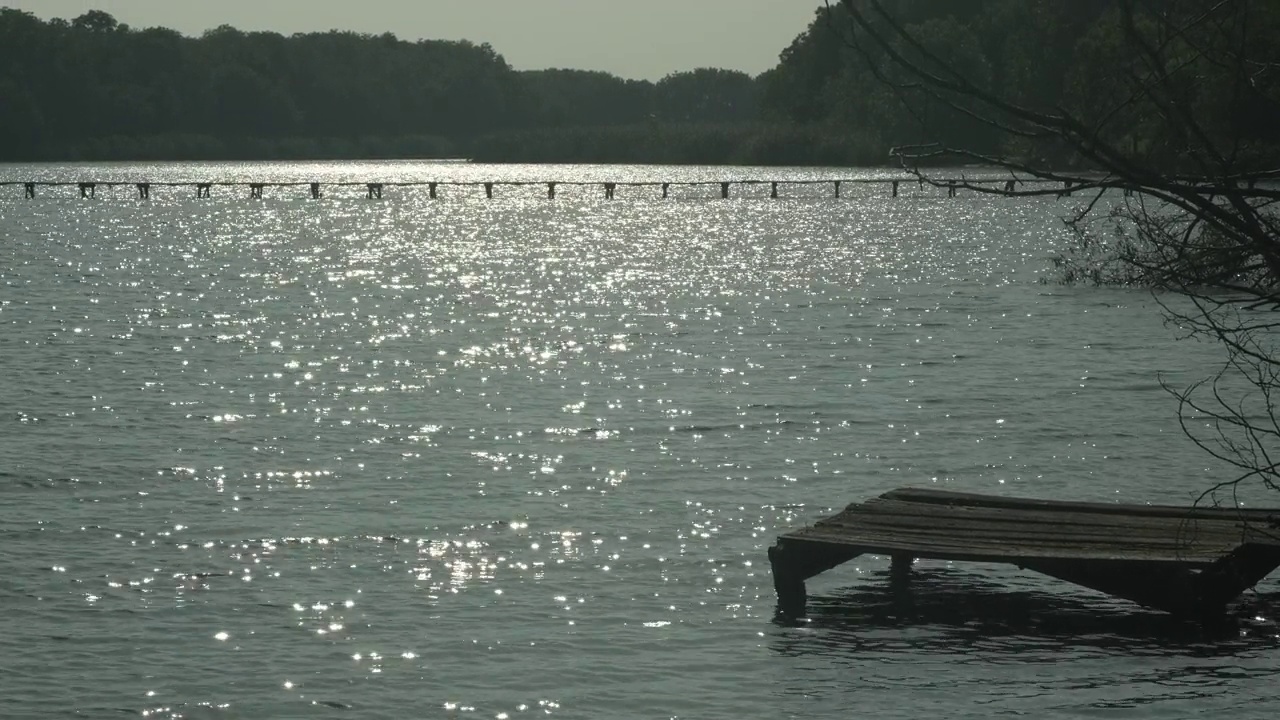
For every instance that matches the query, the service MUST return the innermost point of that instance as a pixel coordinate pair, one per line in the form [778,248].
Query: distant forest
[94,89]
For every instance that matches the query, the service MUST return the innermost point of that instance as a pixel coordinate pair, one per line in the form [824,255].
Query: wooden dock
[30,189]
[1182,560]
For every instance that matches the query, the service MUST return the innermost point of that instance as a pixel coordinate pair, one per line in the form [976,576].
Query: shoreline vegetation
[93,89]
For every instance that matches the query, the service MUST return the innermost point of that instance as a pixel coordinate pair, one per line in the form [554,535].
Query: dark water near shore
[469,458]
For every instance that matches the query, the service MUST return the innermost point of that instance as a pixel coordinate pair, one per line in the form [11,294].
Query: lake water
[517,458]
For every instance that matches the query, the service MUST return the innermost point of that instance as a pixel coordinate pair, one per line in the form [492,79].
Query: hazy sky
[632,38]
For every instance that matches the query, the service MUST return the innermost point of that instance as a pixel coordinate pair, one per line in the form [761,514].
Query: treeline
[94,89]
[1037,54]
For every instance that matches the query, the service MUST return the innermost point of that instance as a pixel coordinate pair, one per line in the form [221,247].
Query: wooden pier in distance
[374,190]
[1182,560]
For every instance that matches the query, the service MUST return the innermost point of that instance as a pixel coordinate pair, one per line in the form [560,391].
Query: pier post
[202,190]
[608,190]
[787,583]
[1229,576]
[488,190]
[895,188]
[551,191]
[375,191]
[88,190]
[837,184]
[144,191]
[29,191]
[792,563]
[951,188]
[1009,185]
[255,191]
[431,188]
[315,191]
[1066,188]
[665,187]
[724,191]
[900,568]
[773,191]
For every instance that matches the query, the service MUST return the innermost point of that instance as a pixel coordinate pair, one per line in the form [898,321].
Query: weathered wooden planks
[1178,559]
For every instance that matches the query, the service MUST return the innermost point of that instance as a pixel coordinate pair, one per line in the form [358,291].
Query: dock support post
[431,189]
[255,191]
[29,191]
[551,191]
[951,188]
[900,568]
[773,191]
[202,190]
[1066,188]
[837,183]
[315,191]
[375,191]
[1009,185]
[88,190]
[488,190]
[608,190]
[144,191]
[895,188]
[787,583]
[1223,581]
[724,191]
[794,562]
[665,188]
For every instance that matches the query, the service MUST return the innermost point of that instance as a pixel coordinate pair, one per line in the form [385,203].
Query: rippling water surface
[520,457]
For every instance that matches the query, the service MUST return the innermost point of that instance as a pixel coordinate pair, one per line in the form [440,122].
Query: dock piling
[788,584]
[951,188]
[375,191]
[900,568]
[608,190]
[88,189]
[837,184]
[144,191]
[793,564]
[551,191]
[895,188]
[665,188]
[315,191]
[724,191]
[431,188]
[202,190]
[29,191]
[773,191]
[488,190]
[255,191]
